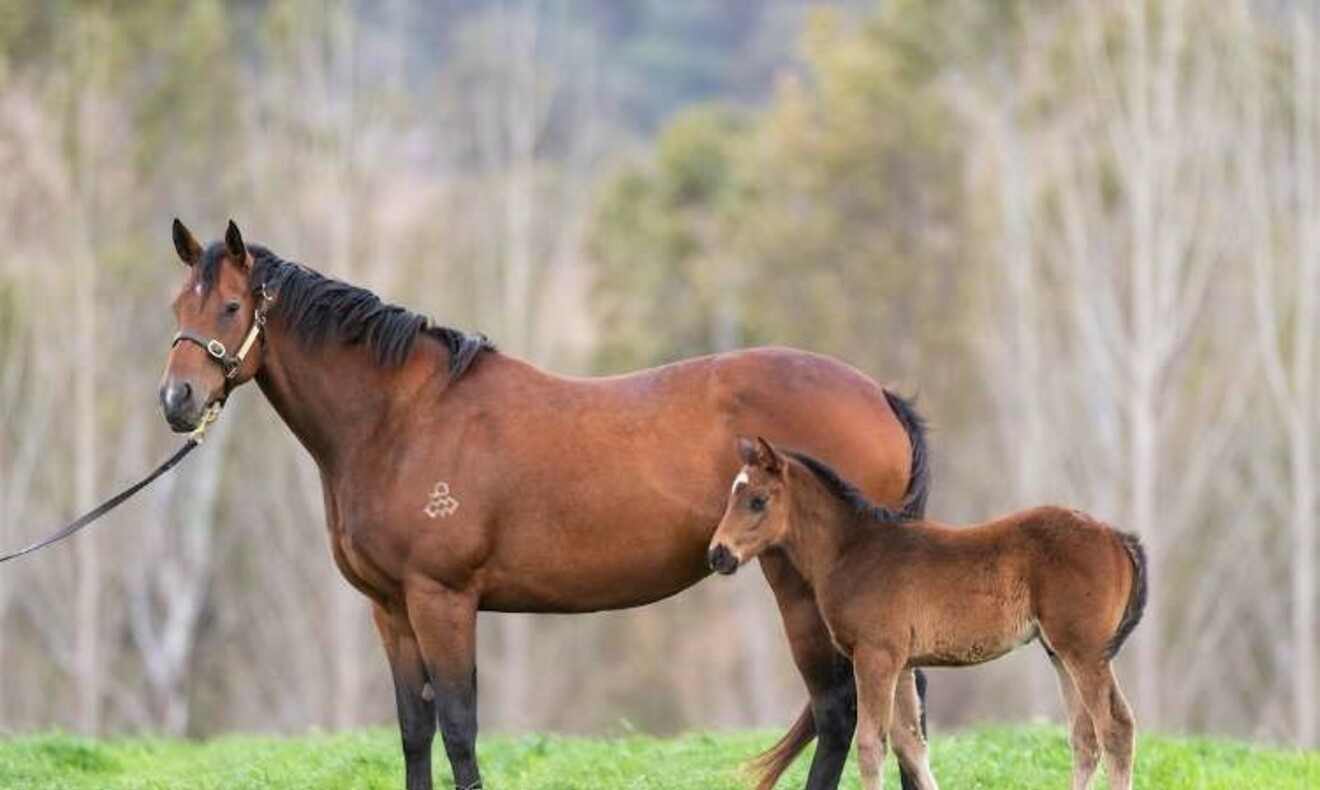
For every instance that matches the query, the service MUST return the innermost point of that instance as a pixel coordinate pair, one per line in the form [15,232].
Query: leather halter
[215,348]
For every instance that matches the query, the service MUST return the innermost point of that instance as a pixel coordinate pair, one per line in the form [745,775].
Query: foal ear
[189,250]
[769,459]
[748,452]
[234,243]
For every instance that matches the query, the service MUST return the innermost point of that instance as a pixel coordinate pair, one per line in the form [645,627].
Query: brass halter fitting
[209,417]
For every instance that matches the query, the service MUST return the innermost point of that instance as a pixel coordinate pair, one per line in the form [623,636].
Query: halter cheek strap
[215,349]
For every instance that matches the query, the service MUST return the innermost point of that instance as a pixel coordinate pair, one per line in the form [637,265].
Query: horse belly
[564,596]
[977,629]
[630,569]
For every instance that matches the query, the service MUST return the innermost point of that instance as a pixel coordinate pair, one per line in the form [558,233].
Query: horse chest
[363,545]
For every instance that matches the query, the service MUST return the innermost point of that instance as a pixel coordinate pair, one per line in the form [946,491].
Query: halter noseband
[215,349]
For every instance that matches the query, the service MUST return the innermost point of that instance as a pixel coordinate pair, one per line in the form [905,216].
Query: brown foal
[897,594]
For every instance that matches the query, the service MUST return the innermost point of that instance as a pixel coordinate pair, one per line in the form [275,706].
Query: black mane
[848,493]
[319,308]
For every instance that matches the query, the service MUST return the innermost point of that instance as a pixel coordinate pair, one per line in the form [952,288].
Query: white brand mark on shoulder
[440,504]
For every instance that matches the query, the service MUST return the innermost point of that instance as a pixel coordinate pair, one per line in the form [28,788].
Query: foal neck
[820,527]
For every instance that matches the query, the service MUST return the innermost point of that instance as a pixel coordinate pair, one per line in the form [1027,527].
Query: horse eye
[231,308]
[756,504]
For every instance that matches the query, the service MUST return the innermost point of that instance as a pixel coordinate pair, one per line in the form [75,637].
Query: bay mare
[898,593]
[457,478]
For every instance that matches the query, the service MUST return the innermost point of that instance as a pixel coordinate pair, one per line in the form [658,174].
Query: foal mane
[846,492]
[320,308]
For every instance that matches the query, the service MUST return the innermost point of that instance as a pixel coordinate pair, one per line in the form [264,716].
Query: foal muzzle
[721,559]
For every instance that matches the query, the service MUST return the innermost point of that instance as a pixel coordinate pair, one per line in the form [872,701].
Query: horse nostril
[176,395]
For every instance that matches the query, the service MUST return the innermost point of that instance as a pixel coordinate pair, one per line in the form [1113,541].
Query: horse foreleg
[908,736]
[877,673]
[445,622]
[827,672]
[416,711]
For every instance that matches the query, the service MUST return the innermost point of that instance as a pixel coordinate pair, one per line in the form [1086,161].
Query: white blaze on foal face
[741,480]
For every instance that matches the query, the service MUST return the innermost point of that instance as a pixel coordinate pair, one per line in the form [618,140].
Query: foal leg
[828,675]
[827,672]
[1085,747]
[907,736]
[411,695]
[445,622]
[877,672]
[1109,710]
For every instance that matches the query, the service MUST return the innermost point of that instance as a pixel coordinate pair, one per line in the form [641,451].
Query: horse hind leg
[1082,737]
[1114,724]
[827,673]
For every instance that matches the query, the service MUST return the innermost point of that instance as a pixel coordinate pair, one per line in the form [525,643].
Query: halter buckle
[216,349]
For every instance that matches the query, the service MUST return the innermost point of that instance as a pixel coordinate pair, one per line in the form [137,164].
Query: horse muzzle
[721,559]
[180,405]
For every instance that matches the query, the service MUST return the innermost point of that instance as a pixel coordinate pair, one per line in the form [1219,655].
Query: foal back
[971,594]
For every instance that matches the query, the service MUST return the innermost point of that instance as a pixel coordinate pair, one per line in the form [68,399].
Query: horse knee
[417,740]
[1120,728]
[1086,753]
[460,749]
[872,749]
[1119,740]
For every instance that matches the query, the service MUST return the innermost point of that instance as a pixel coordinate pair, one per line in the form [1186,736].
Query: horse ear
[748,452]
[769,459]
[189,250]
[234,243]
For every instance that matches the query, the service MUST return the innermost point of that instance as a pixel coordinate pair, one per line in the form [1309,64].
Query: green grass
[986,759]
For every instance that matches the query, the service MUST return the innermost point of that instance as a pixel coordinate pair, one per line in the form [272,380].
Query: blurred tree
[829,221]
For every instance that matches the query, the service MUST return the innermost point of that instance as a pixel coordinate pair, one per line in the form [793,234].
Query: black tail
[914,501]
[1136,604]
[914,507]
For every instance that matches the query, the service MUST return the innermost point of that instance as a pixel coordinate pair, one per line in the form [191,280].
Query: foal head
[217,312]
[756,517]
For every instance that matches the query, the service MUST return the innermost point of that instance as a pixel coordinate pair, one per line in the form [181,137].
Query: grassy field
[987,759]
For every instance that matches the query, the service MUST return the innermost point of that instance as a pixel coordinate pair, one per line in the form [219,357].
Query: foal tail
[1136,604]
[914,500]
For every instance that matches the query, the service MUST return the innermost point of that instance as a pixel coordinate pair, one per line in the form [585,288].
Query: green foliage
[830,220]
[654,239]
[988,759]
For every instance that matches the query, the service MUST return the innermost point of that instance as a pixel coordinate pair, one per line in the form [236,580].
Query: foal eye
[231,308]
[756,504]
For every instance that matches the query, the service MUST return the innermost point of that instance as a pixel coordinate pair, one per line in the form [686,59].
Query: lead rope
[217,351]
[195,439]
